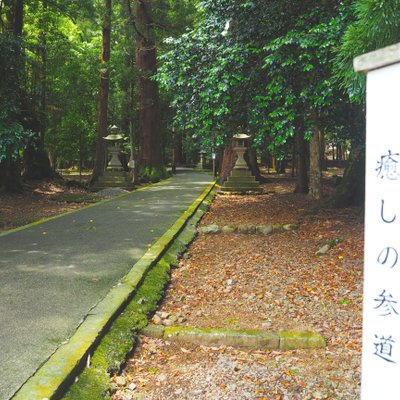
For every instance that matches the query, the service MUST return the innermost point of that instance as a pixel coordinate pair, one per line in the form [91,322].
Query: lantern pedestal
[114,164]
[114,179]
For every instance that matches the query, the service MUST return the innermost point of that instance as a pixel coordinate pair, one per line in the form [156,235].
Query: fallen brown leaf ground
[272,282]
[35,202]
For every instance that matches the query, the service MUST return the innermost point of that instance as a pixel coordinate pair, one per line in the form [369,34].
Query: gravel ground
[162,370]
[272,282]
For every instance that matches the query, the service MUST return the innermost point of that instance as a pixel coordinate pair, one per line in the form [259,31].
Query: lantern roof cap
[114,137]
[241,136]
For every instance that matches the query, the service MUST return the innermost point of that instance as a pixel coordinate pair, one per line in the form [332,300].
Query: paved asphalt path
[52,274]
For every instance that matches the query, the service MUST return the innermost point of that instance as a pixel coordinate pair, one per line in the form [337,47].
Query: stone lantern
[201,163]
[114,139]
[114,175]
[239,142]
[241,180]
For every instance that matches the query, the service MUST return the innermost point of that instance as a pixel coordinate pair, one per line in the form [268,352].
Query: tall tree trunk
[315,161]
[177,152]
[322,150]
[301,159]
[228,161]
[10,176]
[131,124]
[251,159]
[13,11]
[43,77]
[150,148]
[18,20]
[351,190]
[36,161]
[103,94]
[130,111]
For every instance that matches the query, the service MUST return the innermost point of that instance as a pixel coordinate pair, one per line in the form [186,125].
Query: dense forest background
[182,77]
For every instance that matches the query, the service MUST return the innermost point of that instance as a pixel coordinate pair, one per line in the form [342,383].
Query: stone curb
[50,380]
[242,338]
[247,229]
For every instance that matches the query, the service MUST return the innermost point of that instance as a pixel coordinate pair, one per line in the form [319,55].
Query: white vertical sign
[381,308]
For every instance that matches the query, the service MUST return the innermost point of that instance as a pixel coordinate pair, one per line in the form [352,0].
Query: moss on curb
[94,383]
[300,340]
[242,338]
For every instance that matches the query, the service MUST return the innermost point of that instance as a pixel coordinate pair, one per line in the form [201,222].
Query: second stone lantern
[114,175]
[114,139]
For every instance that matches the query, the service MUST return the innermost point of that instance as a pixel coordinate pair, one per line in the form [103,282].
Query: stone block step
[242,179]
[116,180]
[114,174]
[241,189]
[230,183]
[241,172]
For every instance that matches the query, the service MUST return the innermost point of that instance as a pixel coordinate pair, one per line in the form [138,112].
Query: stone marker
[381,318]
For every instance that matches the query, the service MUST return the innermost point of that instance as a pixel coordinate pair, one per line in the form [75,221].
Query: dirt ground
[39,200]
[270,282]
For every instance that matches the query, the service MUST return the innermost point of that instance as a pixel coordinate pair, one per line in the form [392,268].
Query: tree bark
[351,190]
[103,95]
[43,77]
[10,177]
[18,17]
[301,160]
[251,158]
[129,109]
[177,152]
[150,147]
[36,161]
[315,162]
[322,150]
[13,10]
[228,161]
[10,171]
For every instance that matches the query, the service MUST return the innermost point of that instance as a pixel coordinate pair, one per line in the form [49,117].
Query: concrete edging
[66,361]
[242,338]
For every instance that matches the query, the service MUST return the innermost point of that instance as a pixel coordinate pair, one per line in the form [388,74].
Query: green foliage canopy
[255,65]
[376,25]
[13,136]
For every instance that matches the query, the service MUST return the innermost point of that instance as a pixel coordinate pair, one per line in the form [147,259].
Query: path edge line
[50,379]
